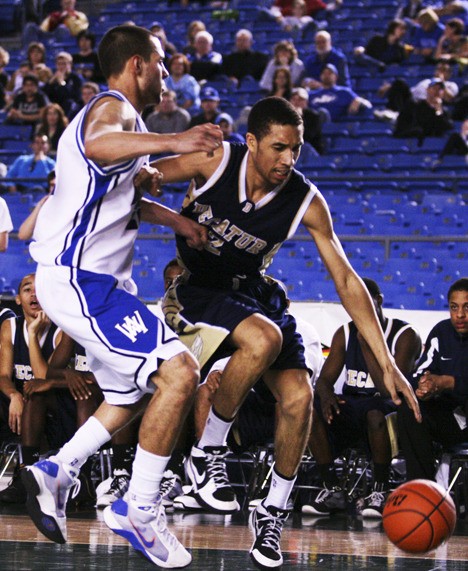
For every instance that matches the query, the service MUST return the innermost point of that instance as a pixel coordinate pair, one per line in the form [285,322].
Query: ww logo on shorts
[131,326]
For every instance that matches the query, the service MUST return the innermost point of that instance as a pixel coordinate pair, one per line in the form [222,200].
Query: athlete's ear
[137,63]
[251,141]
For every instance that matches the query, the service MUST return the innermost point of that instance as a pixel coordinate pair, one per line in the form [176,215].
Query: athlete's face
[26,297]
[153,74]
[274,156]
[458,305]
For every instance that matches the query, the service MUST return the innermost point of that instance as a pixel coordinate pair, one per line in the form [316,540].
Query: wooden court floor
[220,543]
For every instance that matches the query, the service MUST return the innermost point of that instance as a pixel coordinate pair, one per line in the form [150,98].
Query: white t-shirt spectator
[6,225]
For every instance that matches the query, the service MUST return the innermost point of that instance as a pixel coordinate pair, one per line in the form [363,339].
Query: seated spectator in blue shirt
[226,124]
[205,62]
[34,166]
[335,100]
[426,33]
[325,53]
[185,85]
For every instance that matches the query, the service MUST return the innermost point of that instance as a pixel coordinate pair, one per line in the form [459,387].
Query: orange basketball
[419,516]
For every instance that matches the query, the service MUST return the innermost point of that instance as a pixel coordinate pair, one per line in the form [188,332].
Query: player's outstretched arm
[356,300]
[110,137]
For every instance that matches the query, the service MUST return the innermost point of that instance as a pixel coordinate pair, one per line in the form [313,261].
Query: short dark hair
[121,43]
[172,263]
[88,35]
[271,111]
[459,285]
[372,287]
[31,78]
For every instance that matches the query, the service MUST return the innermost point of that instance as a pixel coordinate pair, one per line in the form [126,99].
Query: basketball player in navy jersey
[83,243]
[251,199]
[358,414]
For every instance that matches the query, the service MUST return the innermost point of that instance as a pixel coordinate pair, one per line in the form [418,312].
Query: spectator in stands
[88,90]
[35,64]
[6,225]
[192,30]
[298,20]
[243,60]
[452,8]
[282,83]
[399,94]
[358,414]
[28,103]
[158,30]
[59,25]
[457,143]
[26,345]
[384,49]
[185,85]
[285,8]
[64,87]
[53,123]
[336,101]
[441,381]
[168,117]
[205,62]
[4,77]
[226,124]
[313,121]
[86,61]
[209,104]
[324,53]
[426,34]
[453,44]
[426,118]
[26,229]
[34,166]
[284,55]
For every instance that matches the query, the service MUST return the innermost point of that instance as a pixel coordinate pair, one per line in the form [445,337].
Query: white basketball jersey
[91,220]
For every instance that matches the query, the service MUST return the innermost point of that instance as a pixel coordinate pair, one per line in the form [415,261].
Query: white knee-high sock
[86,441]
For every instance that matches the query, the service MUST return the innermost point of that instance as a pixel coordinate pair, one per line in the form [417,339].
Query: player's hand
[79,385]
[395,383]
[148,179]
[36,386]
[37,326]
[195,234]
[427,386]
[213,380]
[330,403]
[15,411]
[207,137]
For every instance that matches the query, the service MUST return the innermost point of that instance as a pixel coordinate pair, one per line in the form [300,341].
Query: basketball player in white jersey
[84,246]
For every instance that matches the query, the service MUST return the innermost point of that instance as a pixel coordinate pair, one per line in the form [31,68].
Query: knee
[266,343]
[375,421]
[184,384]
[298,403]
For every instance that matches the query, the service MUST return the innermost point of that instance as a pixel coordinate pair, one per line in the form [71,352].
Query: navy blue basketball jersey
[357,378]
[243,236]
[22,370]
[6,313]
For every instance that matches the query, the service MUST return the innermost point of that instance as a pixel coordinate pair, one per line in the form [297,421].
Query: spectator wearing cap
[243,60]
[442,71]
[425,118]
[426,33]
[183,83]
[158,30]
[336,101]
[205,62]
[28,104]
[284,55]
[226,124]
[168,117]
[325,53]
[312,119]
[64,87]
[209,97]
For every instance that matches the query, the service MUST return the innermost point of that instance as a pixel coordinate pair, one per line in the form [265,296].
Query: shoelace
[376,499]
[161,524]
[271,532]
[323,495]
[216,469]
[166,485]
[118,484]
